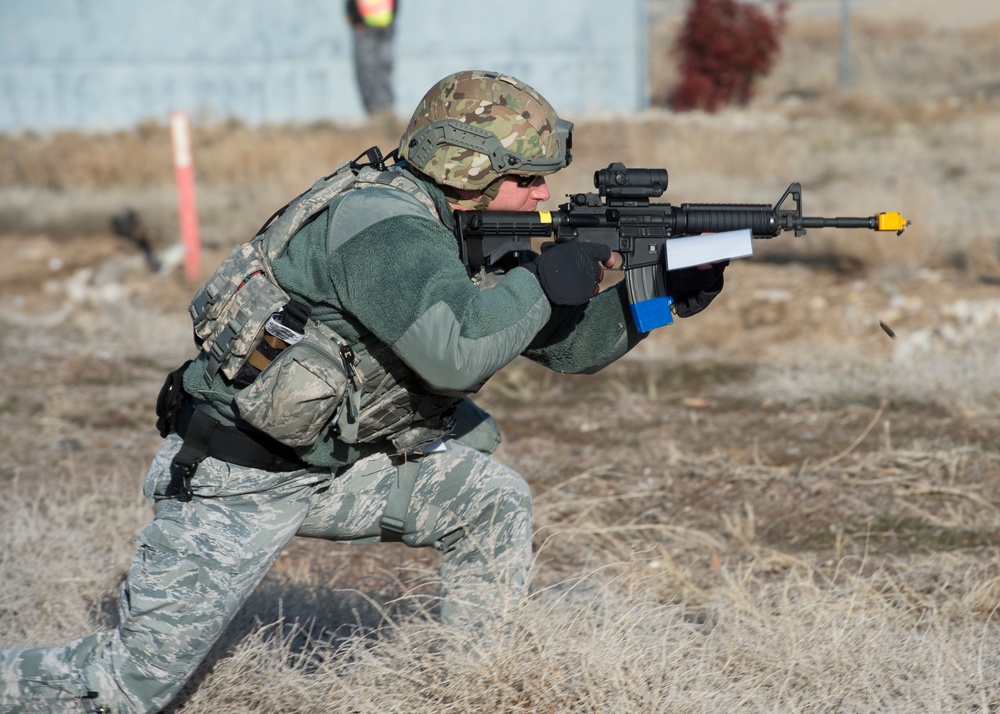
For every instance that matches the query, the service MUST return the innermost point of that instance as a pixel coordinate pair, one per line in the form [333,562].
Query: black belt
[205,436]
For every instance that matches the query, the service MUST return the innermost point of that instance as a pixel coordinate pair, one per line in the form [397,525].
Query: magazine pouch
[294,399]
[229,312]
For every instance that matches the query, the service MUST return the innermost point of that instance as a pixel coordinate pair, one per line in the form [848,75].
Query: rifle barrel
[870,222]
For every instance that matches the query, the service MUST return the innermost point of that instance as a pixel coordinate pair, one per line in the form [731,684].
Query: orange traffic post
[180,137]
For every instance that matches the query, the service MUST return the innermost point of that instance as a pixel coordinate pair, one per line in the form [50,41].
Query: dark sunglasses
[525,181]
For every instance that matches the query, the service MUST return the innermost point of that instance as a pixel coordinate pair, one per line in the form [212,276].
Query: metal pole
[845,44]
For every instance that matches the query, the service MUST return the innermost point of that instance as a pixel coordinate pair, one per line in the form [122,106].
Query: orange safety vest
[376,13]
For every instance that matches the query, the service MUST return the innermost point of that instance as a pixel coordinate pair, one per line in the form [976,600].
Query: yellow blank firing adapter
[892,221]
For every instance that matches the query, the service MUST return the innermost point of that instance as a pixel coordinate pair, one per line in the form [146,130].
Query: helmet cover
[474,127]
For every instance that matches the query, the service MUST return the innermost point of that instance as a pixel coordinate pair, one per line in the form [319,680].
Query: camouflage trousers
[198,561]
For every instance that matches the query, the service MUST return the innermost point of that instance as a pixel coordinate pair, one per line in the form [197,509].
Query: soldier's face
[518,193]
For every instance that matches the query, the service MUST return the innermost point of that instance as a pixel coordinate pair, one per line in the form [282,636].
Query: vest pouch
[229,312]
[294,399]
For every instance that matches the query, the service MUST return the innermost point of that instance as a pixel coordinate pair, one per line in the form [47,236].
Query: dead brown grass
[842,557]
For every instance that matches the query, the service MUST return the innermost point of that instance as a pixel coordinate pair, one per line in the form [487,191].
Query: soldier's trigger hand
[570,273]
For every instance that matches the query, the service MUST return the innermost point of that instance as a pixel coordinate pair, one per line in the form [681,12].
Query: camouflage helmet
[474,127]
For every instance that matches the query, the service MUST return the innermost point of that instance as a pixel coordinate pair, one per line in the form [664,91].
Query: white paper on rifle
[707,248]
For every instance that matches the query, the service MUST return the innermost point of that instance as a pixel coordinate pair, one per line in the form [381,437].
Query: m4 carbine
[621,217]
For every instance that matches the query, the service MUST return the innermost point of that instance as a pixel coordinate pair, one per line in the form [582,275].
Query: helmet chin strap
[472,200]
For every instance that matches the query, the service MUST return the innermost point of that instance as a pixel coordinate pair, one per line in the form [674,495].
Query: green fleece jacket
[375,262]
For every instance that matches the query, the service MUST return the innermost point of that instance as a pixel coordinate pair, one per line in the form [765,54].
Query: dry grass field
[774,506]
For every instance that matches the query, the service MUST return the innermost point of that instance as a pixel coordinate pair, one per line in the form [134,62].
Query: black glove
[570,273]
[694,288]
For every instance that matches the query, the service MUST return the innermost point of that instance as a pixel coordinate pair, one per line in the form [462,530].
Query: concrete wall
[105,64]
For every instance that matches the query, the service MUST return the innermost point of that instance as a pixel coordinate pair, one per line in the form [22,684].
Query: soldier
[373,25]
[329,398]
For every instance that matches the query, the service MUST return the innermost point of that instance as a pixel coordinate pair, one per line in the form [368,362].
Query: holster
[169,400]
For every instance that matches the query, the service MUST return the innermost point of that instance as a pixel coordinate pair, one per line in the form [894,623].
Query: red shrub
[724,46]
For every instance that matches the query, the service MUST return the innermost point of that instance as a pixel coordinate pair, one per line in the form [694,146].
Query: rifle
[638,230]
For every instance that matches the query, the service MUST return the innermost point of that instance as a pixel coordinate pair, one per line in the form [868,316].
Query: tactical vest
[296,377]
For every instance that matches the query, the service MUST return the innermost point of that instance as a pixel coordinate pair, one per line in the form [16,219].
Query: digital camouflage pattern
[198,561]
[295,398]
[230,310]
[516,114]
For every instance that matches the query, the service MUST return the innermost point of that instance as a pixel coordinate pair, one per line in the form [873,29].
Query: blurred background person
[373,23]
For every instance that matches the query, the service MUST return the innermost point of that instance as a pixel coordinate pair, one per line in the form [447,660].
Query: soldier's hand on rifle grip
[693,289]
[570,273]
